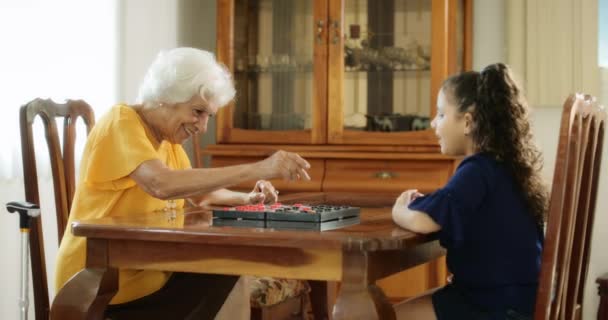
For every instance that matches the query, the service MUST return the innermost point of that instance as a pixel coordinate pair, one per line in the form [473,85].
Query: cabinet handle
[385,175]
[336,25]
[320,25]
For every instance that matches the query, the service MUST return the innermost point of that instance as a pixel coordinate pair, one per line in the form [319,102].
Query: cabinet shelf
[299,77]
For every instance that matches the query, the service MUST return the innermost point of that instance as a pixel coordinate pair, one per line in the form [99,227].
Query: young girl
[490,214]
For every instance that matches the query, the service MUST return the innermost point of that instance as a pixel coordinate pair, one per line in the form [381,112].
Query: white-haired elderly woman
[134,163]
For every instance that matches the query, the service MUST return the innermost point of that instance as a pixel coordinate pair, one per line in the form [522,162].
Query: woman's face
[451,127]
[186,119]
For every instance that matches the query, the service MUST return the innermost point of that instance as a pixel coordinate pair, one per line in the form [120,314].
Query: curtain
[553,46]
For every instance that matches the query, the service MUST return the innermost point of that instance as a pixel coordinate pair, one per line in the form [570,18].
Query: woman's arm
[263,192]
[416,221]
[164,183]
[222,197]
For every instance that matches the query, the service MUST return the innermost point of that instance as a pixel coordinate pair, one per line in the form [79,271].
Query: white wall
[147,27]
[488,33]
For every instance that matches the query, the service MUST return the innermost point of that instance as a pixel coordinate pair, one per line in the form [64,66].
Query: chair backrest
[62,166]
[571,210]
[197,152]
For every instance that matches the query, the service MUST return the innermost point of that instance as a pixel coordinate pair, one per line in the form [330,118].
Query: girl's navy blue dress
[493,243]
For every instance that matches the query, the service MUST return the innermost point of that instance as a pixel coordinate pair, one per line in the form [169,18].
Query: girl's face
[186,119]
[452,127]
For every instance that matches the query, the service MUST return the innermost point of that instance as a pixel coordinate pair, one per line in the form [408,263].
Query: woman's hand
[263,192]
[286,165]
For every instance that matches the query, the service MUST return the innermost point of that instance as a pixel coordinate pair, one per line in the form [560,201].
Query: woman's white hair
[178,74]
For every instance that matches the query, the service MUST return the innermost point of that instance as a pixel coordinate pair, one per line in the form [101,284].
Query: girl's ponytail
[494,84]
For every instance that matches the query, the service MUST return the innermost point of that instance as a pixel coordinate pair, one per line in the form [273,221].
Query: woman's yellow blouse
[116,146]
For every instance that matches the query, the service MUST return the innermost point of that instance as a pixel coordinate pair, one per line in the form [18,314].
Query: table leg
[318,299]
[86,294]
[359,297]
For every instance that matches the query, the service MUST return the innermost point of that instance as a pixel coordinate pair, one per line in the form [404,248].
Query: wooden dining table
[188,241]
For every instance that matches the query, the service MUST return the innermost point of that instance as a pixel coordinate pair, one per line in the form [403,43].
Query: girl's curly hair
[501,127]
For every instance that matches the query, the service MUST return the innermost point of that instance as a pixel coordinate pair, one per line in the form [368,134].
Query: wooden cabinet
[348,84]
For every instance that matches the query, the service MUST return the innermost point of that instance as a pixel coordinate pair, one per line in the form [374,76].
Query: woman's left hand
[263,192]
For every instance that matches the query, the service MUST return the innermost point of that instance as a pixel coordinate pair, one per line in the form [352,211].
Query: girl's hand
[263,192]
[407,197]
[412,220]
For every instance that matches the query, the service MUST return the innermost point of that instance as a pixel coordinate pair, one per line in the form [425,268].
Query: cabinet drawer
[315,172]
[389,176]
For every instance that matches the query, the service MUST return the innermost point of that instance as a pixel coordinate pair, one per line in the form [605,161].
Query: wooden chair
[571,210]
[62,166]
[602,310]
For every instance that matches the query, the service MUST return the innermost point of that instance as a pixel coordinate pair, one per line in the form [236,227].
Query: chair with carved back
[62,167]
[602,310]
[571,212]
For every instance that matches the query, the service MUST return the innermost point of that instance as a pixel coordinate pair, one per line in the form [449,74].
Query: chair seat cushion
[268,291]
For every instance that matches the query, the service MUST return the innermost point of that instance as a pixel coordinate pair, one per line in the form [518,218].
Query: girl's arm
[412,220]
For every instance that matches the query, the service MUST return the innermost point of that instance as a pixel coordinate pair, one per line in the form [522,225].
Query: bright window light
[603,33]
[53,49]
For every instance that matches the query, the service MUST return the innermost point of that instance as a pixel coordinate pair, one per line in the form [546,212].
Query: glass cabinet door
[393,56]
[277,51]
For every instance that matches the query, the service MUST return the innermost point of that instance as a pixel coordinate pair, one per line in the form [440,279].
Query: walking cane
[26,211]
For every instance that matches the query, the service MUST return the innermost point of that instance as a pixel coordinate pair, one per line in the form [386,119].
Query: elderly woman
[134,163]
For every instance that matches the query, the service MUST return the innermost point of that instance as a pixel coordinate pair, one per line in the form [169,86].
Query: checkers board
[294,216]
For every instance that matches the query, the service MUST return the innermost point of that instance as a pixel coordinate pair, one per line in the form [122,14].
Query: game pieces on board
[319,217]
